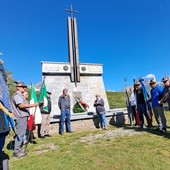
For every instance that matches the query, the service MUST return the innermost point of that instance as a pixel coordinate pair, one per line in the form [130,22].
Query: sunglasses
[22,86]
[165,81]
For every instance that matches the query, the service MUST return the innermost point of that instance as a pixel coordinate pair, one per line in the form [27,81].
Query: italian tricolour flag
[35,114]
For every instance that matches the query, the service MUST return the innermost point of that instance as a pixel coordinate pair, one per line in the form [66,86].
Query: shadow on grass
[153,131]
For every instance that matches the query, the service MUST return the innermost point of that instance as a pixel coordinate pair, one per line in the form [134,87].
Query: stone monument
[82,80]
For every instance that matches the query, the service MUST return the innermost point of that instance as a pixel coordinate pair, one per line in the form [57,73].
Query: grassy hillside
[116,99]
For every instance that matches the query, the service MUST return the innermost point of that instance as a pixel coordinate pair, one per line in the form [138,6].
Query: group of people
[20,110]
[158,96]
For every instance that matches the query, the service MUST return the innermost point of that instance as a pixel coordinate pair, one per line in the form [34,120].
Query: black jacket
[140,97]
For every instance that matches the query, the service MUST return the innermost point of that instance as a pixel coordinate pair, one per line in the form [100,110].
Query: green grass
[149,150]
[116,99]
[144,152]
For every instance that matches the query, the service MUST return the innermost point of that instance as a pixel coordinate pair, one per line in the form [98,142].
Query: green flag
[43,97]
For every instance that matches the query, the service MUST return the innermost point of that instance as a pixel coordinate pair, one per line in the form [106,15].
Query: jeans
[65,113]
[102,120]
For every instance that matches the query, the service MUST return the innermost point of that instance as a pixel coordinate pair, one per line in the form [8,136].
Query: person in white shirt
[133,105]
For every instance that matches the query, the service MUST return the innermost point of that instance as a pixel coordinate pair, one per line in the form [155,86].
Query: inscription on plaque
[55,68]
[92,69]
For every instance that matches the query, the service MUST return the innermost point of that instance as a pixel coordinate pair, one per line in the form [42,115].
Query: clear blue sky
[129,37]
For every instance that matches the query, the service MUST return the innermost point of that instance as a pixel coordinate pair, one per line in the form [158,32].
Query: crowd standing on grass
[158,96]
[18,109]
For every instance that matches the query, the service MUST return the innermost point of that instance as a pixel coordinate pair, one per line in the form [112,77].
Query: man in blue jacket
[156,96]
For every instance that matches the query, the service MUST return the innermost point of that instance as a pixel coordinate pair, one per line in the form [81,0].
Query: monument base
[114,118]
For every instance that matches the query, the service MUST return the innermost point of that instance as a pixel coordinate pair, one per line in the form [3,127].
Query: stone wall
[89,124]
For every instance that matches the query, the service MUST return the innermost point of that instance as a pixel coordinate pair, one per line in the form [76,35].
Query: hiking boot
[19,154]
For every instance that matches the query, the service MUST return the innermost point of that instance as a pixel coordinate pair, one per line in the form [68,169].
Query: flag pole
[29,133]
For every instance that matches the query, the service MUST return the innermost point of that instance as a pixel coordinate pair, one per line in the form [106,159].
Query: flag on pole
[35,114]
[148,106]
[43,97]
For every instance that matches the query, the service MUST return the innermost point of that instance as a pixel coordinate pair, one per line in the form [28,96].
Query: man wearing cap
[44,131]
[166,90]
[64,105]
[156,95]
[20,110]
[141,105]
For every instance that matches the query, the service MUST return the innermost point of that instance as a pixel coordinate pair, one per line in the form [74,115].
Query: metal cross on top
[73,51]
[71,10]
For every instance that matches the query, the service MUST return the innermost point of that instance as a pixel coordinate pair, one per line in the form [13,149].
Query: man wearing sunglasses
[156,95]
[166,90]
[20,110]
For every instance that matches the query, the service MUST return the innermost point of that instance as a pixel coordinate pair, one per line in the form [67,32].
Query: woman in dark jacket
[100,110]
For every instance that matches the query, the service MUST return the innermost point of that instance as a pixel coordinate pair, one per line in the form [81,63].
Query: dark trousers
[134,114]
[142,111]
[2,142]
